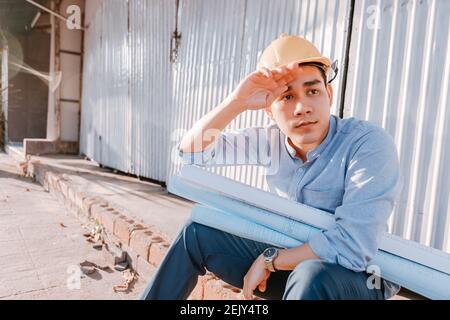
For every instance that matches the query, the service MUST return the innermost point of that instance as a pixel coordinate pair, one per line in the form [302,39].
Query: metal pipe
[35,19]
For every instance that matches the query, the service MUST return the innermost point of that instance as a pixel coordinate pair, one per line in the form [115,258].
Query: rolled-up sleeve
[372,185]
[247,146]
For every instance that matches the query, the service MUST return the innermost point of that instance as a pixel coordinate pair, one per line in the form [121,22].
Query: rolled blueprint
[214,190]
[418,268]
[415,277]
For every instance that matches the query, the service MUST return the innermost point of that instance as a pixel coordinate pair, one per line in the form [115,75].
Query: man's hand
[259,89]
[286,260]
[256,276]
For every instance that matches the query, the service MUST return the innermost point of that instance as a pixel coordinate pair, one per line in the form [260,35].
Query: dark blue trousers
[199,248]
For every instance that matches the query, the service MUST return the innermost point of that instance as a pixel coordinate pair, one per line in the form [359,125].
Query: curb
[145,246]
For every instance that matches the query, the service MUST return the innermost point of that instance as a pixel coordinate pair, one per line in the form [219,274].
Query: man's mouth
[305,124]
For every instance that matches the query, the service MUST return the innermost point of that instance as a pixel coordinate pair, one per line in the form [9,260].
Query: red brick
[96,209]
[158,250]
[140,241]
[113,254]
[108,218]
[197,293]
[79,197]
[71,194]
[219,290]
[144,269]
[88,202]
[52,180]
[64,187]
[132,257]
[123,228]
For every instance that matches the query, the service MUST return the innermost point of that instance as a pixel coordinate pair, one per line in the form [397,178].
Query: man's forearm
[208,128]
[288,259]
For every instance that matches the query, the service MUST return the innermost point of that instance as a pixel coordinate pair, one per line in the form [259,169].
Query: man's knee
[193,232]
[198,237]
[310,280]
[189,228]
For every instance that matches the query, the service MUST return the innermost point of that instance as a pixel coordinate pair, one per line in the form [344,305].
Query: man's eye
[313,92]
[288,97]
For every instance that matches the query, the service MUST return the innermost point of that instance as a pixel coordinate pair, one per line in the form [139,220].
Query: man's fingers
[262,286]
[281,82]
[293,66]
[278,91]
[276,73]
[288,78]
[266,72]
[280,73]
[283,73]
[274,94]
[248,294]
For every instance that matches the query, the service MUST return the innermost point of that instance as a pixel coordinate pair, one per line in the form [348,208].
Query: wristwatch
[269,255]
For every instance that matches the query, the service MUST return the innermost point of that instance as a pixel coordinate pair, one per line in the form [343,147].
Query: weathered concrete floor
[41,245]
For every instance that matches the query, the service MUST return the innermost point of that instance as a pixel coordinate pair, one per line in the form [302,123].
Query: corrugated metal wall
[4,92]
[151,24]
[208,64]
[106,113]
[90,103]
[399,78]
[137,104]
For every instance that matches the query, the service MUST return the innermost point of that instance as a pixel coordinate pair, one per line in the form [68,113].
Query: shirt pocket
[327,200]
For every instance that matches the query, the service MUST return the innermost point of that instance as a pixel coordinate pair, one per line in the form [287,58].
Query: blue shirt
[353,174]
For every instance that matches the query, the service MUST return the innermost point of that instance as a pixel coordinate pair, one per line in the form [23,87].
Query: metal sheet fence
[142,89]
[399,79]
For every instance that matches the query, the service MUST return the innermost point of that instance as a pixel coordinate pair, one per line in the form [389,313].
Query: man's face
[302,112]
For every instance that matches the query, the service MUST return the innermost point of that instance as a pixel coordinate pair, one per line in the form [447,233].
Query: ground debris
[88,267]
[129,276]
[95,236]
[24,166]
[122,266]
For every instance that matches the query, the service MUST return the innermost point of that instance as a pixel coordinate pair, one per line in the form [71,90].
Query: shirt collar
[313,154]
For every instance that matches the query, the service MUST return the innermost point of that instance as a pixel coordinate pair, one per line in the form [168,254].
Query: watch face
[269,252]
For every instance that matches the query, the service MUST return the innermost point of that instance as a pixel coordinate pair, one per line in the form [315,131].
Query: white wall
[70,59]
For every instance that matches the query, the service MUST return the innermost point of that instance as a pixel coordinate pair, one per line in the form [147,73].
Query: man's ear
[268,111]
[330,93]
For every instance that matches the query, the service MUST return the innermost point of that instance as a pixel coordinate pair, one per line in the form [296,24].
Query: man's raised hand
[260,89]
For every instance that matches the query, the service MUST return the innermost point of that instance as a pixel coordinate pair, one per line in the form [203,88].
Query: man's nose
[301,109]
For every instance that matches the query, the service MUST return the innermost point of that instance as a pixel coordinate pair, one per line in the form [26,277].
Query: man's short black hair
[321,68]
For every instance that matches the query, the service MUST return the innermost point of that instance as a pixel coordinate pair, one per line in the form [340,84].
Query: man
[347,167]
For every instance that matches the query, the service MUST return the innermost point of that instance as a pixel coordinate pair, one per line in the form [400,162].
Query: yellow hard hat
[287,49]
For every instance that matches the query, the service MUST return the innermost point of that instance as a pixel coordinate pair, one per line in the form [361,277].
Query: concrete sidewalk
[141,217]
[42,244]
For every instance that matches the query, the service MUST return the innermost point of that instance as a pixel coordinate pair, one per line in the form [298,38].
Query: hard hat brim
[322,60]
